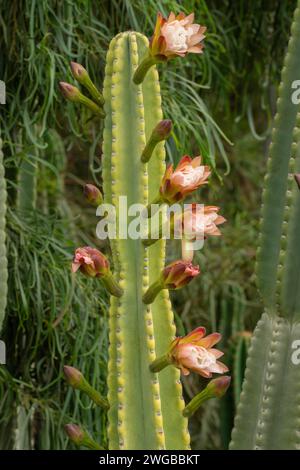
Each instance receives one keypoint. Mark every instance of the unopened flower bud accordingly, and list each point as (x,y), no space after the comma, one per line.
(81,75)
(72,93)
(69,91)
(93,194)
(73,376)
(161,132)
(215,389)
(93,263)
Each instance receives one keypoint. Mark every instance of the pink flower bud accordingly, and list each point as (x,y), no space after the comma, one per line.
(73,376)
(218,387)
(93,194)
(178,274)
(188,176)
(195,352)
(69,91)
(90,261)
(176,36)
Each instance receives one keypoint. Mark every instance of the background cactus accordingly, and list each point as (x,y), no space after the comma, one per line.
(268,412)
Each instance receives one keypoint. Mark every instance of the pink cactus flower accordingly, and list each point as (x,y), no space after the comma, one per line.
(176,36)
(90,261)
(188,176)
(195,352)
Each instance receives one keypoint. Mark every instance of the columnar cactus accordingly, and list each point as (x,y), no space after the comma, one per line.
(146,408)
(269,410)
(3,260)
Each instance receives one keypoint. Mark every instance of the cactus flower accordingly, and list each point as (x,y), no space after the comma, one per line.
(90,261)
(188,176)
(200,222)
(193,352)
(174,276)
(93,263)
(176,36)
(72,93)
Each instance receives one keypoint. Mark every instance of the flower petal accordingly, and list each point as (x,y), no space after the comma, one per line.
(216,352)
(194,335)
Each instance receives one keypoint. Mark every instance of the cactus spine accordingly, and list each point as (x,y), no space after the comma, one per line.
(269,410)
(3,259)
(145,410)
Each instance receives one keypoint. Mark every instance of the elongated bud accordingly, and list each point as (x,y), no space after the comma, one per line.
(73,376)
(81,437)
(77,381)
(161,132)
(173,277)
(215,389)
(81,75)
(72,93)
(93,263)
(93,195)
(297,179)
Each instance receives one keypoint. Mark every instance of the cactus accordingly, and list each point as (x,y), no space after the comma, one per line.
(146,406)
(268,411)
(3,259)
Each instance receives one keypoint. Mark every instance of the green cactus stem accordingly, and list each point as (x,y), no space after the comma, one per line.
(145,410)
(269,408)
(3,259)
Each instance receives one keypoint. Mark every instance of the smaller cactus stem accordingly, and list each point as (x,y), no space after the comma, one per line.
(196,402)
(160,363)
(152,292)
(111,285)
(143,68)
